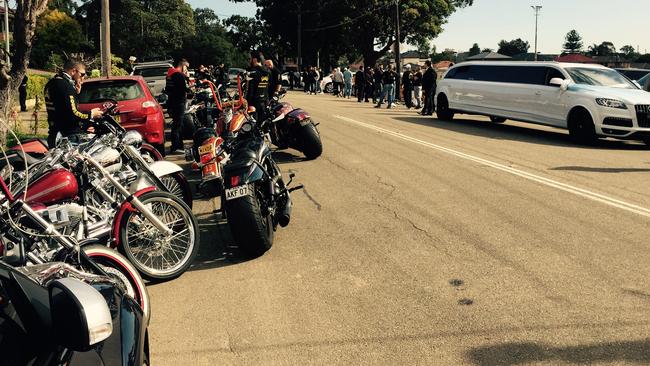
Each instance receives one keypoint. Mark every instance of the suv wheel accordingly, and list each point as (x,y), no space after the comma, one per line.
(581,127)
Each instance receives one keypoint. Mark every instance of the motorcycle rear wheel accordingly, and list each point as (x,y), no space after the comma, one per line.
(312,146)
(156,257)
(252,232)
(177,184)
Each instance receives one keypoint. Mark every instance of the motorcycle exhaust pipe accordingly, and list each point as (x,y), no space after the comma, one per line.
(285,213)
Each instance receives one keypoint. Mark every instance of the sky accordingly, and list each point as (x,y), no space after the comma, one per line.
(489,21)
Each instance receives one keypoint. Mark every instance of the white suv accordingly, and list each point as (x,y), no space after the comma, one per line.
(589,100)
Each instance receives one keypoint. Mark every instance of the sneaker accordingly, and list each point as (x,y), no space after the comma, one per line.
(378,106)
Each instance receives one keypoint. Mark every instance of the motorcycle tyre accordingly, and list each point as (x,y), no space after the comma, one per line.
(195,250)
(248,226)
(182,182)
(312,146)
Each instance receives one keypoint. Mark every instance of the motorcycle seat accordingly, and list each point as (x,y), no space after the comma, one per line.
(18,161)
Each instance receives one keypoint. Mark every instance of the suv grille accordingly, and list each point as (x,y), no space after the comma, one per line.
(643,115)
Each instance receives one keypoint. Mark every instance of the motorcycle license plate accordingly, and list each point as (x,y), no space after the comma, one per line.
(118,118)
(237,192)
(205,149)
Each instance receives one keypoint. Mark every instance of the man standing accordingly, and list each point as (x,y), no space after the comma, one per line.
(379,72)
(22,94)
(369,84)
(337,79)
(360,83)
(347,80)
(407,84)
(417,87)
(275,80)
(62,102)
(257,91)
(388,79)
(177,88)
(429,86)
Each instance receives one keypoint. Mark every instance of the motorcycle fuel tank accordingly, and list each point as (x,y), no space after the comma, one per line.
(55,186)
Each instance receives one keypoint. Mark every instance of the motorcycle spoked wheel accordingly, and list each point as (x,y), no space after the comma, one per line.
(252,231)
(119,268)
(156,257)
(177,184)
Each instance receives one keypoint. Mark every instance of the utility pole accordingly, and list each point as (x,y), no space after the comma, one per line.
(7,32)
(106,39)
(398,60)
(299,60)
(536,8)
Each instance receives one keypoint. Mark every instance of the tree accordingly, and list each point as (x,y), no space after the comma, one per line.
(27,11)
(514,47)
(249,34)
(604,49)
(629,52)
(66,6)
(644,58)
(336,27)
(475,50)
(487,50)
(56,32)
(573,42)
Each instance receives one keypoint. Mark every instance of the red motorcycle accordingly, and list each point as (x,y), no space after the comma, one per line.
(294,128)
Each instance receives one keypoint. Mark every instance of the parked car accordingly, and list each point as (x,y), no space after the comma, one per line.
(138,108)
(326,85)
(589,100)
(645,82)
(154,73)
(634,74)
(232,74)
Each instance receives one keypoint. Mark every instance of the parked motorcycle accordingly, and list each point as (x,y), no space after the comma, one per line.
(294,128)
(55,315)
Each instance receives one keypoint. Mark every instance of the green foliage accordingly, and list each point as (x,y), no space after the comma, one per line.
(36,86)
(629,52)
(604,49)
(475,50)
(572,42)
(117,66)
(644,58)
(514,47)
(57,32)
(54,62)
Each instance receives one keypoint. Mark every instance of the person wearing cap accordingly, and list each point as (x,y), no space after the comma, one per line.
(407,86)
(257,89)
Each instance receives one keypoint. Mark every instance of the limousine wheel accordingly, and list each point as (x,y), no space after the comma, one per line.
(497,119)
(442,110)
(581,127)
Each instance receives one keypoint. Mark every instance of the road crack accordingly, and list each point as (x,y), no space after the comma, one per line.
(381,181)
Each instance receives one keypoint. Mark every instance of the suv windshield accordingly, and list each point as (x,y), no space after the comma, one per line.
(147,72)
(119,90)
(599,77)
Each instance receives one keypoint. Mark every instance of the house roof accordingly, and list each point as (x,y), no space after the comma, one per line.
(412,54)
(575,58)
(443,65)
(489,56)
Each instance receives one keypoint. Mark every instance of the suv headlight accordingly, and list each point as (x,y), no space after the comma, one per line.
(611,103)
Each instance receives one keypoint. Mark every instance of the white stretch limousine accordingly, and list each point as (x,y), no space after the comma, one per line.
(589,100)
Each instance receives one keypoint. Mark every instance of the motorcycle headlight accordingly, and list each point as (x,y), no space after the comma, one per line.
(132,138)
(611,103)
(247,127)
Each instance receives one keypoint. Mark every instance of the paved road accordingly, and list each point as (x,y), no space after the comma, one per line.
(418,241)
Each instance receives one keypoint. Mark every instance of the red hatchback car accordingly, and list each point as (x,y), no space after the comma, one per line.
(138,108)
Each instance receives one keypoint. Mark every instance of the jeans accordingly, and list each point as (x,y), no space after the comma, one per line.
(348,90)
(417,91)
(389,93)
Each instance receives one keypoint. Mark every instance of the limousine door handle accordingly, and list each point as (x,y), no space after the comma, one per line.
(538,93)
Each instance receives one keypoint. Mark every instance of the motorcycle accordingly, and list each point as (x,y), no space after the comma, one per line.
(295,128)
(53,314)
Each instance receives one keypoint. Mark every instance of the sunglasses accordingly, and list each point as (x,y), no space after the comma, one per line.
(82,74)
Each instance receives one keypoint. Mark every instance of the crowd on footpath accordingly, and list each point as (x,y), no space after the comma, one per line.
(379,84)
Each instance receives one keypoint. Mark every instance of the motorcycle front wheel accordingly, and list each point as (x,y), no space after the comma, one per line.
(252,231)
(156,256)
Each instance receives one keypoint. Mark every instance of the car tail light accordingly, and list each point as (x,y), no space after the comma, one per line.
(234,181)
(149,107)
(206,158)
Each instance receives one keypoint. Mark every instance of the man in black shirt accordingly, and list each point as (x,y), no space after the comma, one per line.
(62,102)
(257,90)
(407,85)
(360,83)
(275,82)
(388,79)
(177,88)
(429,87)
(378,84)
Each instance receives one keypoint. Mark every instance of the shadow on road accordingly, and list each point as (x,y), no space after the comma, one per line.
(510,354)
(600,170)
(288,156)
(516,133)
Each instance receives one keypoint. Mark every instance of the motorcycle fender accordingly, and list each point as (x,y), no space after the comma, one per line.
(126,206)
(246,175)
(160,169)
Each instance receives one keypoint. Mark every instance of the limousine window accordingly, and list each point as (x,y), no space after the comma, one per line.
(535,75)
(599,77)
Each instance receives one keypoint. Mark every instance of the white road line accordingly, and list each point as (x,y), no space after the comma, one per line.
(533,177)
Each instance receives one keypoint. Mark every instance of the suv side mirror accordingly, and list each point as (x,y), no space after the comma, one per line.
(80,315)
(561,83)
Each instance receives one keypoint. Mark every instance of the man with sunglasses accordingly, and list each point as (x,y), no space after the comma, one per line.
(62,102)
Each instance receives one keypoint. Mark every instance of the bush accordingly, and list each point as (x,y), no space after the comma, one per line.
(36,86)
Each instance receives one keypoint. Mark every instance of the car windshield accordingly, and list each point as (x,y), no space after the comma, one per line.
(645,82)
(599,77)
(147,72)
(119,90)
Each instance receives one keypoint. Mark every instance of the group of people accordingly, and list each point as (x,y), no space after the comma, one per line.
(418,86)
(312,77)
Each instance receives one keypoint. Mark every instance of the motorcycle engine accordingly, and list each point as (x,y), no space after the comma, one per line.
(68,215)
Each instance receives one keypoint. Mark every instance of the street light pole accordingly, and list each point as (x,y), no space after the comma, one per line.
(536,8)
(106,39)
(398,60)
(7,31)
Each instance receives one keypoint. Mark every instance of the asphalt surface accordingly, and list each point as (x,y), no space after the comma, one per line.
(418,241)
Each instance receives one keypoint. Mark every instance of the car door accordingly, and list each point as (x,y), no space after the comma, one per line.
(551,101)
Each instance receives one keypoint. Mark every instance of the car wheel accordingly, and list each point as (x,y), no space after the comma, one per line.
(581,127)
(329,88)
(442,110)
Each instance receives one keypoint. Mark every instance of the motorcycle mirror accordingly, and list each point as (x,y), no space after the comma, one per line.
(251,109)
(80,315)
